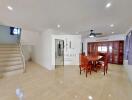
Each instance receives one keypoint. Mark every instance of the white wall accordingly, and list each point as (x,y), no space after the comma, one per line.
(71,55)
(5,37)
(28,40)
(42,50)
(107,38)
(29,37)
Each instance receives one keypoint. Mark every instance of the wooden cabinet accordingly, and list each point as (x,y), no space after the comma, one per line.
(114,49)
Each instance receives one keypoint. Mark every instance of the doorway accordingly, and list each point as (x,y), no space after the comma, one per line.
(59,53)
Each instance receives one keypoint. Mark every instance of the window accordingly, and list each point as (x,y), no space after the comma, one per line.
(15,31)
(99,48)
(110,49)
(102,49)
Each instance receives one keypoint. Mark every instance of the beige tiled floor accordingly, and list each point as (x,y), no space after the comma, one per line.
(67,84)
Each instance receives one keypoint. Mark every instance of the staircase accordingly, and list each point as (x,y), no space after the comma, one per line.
(11,59)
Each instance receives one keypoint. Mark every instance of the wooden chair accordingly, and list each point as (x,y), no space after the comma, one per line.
(81,63)
(84,64)
(103,63)
(87,65)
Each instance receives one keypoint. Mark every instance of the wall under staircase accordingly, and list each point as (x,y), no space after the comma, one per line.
(11,59)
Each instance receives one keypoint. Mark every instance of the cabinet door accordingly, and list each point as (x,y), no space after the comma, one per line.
(115,52)
(90,47)
(121,51)
(110,54)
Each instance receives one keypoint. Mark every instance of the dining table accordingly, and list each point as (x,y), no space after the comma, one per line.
(93,59)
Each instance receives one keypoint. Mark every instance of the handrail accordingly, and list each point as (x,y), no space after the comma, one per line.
(23,58)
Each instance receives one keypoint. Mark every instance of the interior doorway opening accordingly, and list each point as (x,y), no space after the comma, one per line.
(59,53)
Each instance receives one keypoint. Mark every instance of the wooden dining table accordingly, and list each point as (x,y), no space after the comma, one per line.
(93,60)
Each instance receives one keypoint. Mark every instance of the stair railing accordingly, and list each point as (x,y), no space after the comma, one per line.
(23,58)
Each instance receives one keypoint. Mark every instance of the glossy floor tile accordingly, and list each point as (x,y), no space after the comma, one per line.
(65,83)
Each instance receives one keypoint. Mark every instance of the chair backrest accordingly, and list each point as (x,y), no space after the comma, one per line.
(83,61)
(86,61)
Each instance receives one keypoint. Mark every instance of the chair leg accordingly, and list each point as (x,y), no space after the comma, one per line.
(80,70)
(104,70)
(90,70)
(86,72)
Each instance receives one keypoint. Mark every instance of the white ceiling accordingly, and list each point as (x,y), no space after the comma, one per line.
(72,15)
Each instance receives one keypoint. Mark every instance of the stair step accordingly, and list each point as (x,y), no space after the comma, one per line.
(11,68)
(9,55)
(12,72)
(9,52)
(9,49)
(10,59)
(9,46)
(7,64)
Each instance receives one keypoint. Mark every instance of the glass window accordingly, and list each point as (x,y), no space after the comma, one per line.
(110,49)
(16,31)
(99,48)
(102,48)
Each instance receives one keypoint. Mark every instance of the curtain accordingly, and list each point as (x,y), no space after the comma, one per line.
(128,48)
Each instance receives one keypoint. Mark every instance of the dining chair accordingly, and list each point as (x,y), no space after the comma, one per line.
(81,63)
(87,65)
(103,63)
(84,64)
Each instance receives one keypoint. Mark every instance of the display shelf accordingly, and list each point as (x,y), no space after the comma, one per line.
(114,49)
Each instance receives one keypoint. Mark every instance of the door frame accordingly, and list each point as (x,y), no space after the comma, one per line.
(55,51)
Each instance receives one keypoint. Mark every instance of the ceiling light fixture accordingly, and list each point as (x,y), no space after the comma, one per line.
(58,26)
(113,32)
(92,34)
(112,25)
(10,8)
(108,5)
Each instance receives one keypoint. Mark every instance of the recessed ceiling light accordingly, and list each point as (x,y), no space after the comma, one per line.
(113,32)
(58,26)
(108,5)
(112,25)
(10,8)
